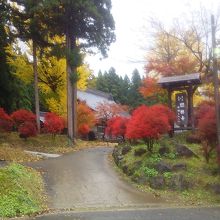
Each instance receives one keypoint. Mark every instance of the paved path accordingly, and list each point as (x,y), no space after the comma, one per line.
(86,179)
(144,214)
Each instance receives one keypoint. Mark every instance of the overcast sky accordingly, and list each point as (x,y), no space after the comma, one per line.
(132,30)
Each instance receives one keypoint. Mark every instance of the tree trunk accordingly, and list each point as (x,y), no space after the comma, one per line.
(74,92)
(36,93)
(71,92)
(74,110)
(171,132)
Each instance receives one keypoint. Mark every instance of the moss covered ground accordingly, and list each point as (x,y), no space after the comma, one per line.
(21,191)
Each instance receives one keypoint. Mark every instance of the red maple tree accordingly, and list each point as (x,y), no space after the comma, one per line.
(147,124)
(116,127)
(27,129)
(166,111)
(6,124)
(207,129)
(202,109)
(53,123)
(21,116)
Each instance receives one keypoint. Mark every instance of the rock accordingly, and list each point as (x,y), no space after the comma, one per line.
(143,180)
(215,188)
(157,182)
(117,155)
(193,139)
(164,150)
(137,164)
(115,152)
(125,149)
(139,152)
(184,151)
(179,166)
(212,171)
(163,167)
(127,170)
(120,157)
(178,182)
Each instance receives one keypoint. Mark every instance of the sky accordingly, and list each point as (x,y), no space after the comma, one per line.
(133,30)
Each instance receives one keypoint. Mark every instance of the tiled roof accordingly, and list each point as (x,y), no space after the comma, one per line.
(94,97)
(193,78)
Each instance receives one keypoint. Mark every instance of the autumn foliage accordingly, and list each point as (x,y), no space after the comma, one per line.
(21,116)
(150,88)
(207,126)
(166,111)
(53,123)
(148,124)
(83,130)
(206,120)
(85,118)
(108,110)
(116,127)
(179,66)
(202,109)
(27,129)
(6,124)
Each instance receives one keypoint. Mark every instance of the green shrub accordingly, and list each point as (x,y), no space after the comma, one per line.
(167,175)
(171,156)
(21,191)
(149,172)
(154,158)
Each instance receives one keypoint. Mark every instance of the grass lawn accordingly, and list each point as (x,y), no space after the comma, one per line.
(141,170)
(12,147)
(21,191)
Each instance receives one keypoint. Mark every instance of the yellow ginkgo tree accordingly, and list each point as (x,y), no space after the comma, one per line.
(51,76)
(57,101)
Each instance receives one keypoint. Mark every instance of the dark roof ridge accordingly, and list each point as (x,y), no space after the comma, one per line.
(179,78)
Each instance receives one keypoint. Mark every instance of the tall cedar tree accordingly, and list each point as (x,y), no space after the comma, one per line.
(123,90)
(136,98)
(7,80)
(86,24)
(29,21)
(112,83)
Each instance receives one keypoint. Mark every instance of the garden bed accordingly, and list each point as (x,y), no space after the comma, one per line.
(175,170)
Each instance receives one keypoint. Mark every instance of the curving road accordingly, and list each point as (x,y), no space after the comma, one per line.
(85,179)
(141,214)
